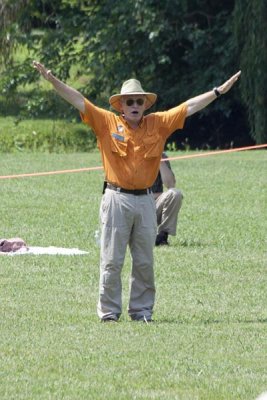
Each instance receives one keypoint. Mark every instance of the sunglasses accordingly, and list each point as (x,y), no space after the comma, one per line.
(139,102)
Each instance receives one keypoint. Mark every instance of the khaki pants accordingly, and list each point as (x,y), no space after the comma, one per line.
(127,219)
(168,205)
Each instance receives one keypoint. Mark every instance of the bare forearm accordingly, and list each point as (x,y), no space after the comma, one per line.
(69,94)
(199,102)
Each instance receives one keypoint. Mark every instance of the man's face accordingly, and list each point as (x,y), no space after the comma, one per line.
(133,107)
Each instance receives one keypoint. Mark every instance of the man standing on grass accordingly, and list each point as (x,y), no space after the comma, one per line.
(131,146)
(168,203)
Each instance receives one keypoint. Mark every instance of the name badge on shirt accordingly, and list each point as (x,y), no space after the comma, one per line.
(118,137)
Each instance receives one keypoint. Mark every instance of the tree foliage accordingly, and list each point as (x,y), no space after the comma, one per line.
(250,24)
(176,48)
(10,12)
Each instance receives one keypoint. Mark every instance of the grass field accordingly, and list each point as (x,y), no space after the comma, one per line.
(209,338)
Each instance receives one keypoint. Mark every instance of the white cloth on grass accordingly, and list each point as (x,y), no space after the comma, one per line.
(45,250)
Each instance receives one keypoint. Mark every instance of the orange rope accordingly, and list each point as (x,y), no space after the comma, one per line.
(68,171)
(212,153)
(65,171)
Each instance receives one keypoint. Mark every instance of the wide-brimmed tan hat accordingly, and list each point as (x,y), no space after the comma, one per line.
(132,86)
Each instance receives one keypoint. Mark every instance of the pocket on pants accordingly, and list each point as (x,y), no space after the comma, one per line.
(148,213)
(111,211)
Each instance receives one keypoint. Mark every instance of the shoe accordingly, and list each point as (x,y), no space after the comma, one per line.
(162,239)
(143,318)
(110,319)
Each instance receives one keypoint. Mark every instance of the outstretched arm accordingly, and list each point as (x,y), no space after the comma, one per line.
(69,94)
(199,102)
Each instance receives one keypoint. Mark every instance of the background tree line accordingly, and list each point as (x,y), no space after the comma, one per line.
(177,48)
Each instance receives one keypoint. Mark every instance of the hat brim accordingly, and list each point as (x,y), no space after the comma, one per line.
(114,100)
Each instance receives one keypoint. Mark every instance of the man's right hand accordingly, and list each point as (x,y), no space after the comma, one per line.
(46,73)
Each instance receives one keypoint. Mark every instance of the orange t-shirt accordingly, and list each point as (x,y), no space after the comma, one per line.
(131,157)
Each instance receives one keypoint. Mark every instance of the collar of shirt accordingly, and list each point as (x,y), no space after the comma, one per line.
(140,125)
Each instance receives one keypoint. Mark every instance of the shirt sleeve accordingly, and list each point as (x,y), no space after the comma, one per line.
(174,118)
(95,117)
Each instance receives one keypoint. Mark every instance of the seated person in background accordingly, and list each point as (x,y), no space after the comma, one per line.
(168,203)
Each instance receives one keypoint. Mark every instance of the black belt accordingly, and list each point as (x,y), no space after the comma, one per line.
(136,192)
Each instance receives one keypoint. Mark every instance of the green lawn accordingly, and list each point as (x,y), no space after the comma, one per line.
(209,338)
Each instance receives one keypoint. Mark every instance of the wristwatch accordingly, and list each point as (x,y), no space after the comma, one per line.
(216,91)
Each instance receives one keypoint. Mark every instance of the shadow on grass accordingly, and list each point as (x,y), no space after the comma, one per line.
(192,243)
(189,243)
(211,321)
